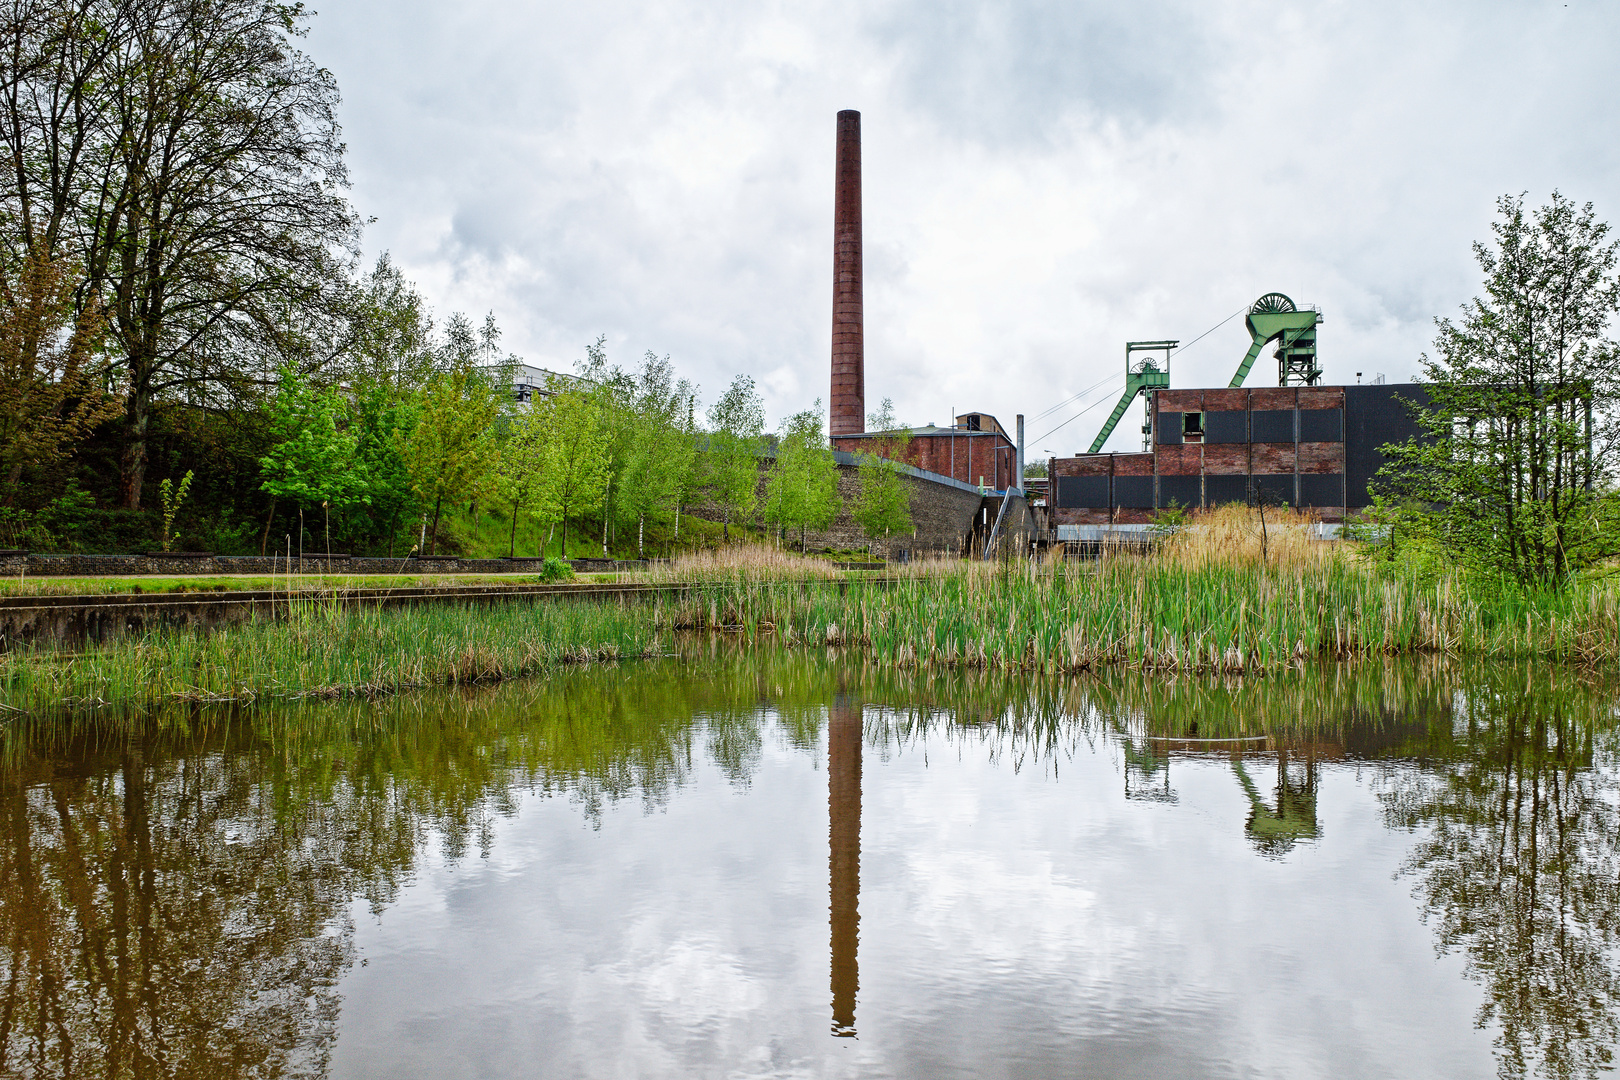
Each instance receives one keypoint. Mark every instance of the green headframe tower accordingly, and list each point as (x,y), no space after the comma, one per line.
(1141,376)
(1274,317)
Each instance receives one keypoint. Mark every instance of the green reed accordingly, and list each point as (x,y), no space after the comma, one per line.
(322,650)
(1149,613)
(1167,615)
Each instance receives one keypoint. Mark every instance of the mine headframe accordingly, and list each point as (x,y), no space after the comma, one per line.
(1141,376)
(1274,317)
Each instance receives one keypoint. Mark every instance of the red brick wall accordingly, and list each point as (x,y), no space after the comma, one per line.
(848,330)
(1281,397)
(1226,459)
(988,454)
(1271,457)
(1321,457)
(1133,464)
(1226,400)
(1180,460)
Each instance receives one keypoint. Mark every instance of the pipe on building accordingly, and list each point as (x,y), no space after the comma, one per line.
(1019,483)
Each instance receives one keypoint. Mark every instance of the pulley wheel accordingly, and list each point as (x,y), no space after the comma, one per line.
(1272,303)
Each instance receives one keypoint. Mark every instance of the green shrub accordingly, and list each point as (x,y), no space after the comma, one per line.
(556,570)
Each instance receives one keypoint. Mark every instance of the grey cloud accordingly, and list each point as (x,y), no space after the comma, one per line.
(1008,72)
(663,175)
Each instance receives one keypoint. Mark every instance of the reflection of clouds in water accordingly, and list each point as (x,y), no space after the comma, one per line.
(696,986)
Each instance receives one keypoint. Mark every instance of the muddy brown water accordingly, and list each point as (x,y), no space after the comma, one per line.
(771,863)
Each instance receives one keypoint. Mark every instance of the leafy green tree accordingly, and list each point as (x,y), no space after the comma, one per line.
(1522,425)
(576,473)
(390,331)
(377,413)
(521,473)
(736,439)
(883,501)
(1514,855)
(187,157)
(313,458)
(614,391)
(659,457)
(451,449)
(801,489)
(691,478)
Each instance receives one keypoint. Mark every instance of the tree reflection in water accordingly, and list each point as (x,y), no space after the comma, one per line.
(174,891)
(172,916)
(1517,864)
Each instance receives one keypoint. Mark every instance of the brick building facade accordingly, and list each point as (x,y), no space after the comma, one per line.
(976,451)
(1305,446)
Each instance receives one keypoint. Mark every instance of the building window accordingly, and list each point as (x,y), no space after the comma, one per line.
(1192,427)
(973,422)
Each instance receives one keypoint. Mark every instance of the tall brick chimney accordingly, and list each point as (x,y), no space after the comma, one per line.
(848,347)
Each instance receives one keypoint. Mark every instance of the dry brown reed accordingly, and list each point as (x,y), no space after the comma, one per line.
(1236,535)
(743,563)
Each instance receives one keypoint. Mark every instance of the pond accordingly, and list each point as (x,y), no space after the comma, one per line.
(739,863)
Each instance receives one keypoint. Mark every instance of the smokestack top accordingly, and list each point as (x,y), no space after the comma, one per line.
(848,331)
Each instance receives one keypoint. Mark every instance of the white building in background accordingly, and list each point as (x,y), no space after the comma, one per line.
(530,382)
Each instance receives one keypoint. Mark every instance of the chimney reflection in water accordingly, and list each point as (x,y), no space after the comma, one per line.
(844,856)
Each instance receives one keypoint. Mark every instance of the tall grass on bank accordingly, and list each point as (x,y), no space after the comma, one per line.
(324,651)
(1204,602)
(743,564)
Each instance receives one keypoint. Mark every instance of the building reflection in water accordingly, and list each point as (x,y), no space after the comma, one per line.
(844,856)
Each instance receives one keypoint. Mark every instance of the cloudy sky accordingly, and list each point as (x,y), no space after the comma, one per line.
(1043,180)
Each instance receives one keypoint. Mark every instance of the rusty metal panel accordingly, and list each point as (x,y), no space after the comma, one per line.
(1271,425)
(1219,490)
(1225,426)
(1184,491)
(1133,491)
(1321,425)
(1080,491)
(1279,487)
(1321,490)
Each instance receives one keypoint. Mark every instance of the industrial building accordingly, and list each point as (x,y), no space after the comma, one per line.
(1303,446)
(1298,444)
(975,449)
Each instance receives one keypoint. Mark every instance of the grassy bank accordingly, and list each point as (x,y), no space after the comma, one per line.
(1229,596)
(1223,599)
(279,583)
(326,652)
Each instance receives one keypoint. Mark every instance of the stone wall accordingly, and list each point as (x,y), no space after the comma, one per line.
(207,565)
(942,513)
